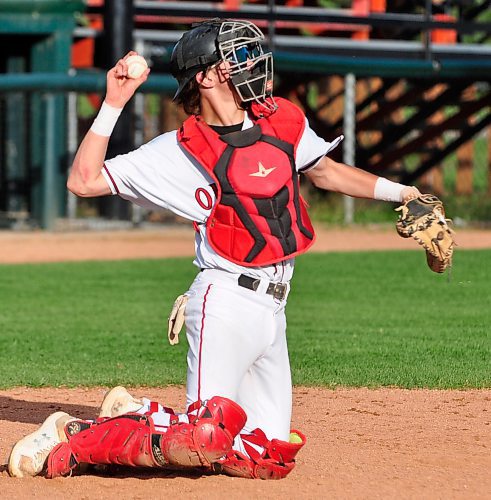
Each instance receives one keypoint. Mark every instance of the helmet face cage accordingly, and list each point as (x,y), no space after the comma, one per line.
(250,69)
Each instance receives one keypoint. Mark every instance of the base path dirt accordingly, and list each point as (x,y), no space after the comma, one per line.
(38,246)
(362,443)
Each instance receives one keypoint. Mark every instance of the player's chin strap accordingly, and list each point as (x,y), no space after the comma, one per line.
(267,459)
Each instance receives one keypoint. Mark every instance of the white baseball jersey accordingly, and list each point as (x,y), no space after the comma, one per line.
(161,174)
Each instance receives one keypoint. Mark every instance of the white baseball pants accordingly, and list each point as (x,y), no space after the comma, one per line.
(238,349)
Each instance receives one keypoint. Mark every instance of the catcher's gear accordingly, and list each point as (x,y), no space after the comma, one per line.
(234,41)
(423,218)
(176,319)
(275,461)
(131,439)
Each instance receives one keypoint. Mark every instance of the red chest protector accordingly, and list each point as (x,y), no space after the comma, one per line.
(259,217)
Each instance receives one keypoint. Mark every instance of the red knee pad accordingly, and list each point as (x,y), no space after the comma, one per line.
(276,460)
(208,437)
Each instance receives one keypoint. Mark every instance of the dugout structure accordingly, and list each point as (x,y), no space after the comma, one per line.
(36,36)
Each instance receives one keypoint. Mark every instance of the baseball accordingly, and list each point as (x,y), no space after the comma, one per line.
(136,66)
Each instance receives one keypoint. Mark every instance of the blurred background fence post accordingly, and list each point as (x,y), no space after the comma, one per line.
(118,41)
(72,146)
(349,143)
(49,208)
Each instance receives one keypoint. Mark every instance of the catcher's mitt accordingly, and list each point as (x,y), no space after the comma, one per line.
(423,218)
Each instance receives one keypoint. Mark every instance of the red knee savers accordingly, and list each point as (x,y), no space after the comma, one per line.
(208,437)
(276,460)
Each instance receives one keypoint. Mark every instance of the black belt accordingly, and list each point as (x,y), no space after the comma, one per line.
(277,290)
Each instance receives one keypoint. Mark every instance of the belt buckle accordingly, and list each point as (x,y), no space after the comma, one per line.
(279,291)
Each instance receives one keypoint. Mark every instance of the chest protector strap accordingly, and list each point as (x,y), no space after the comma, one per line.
(259,217)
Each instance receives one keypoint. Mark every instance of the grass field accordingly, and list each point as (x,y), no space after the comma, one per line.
(355,319)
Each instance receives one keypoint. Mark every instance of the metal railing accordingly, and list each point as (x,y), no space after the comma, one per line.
(405,46)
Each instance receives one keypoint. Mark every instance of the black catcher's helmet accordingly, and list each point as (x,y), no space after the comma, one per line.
(195,51)
(238,43)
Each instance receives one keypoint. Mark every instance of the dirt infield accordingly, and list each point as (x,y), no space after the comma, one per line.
(362,443)
(18,247)
(377,443)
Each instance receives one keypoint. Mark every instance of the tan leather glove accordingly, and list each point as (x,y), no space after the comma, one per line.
(423,218)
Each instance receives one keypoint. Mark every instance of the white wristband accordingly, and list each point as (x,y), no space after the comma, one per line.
(106,119)
(387,190)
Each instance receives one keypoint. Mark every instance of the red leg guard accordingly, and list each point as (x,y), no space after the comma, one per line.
(275,462)
(131,439)
(124,440)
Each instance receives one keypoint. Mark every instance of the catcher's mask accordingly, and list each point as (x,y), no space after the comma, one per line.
(236,42)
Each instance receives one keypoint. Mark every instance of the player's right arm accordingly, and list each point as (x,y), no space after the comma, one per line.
(85,177)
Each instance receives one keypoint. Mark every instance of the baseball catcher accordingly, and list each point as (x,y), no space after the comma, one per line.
(233,169)
(423,218)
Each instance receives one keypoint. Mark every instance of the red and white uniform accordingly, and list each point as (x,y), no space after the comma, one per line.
(236,335)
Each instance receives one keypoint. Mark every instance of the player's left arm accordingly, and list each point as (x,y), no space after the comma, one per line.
(339,177)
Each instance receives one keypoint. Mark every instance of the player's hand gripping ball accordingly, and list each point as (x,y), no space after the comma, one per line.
(423,218)
(136,66)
